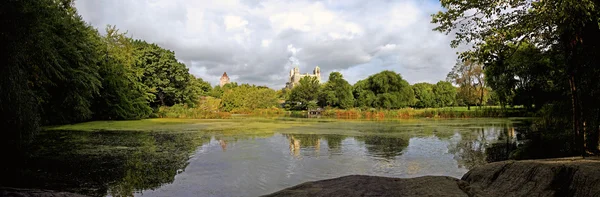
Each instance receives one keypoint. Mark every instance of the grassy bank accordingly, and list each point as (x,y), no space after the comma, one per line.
(184,112)
(407,113)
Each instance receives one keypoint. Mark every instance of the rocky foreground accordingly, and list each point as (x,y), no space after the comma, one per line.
(557,177)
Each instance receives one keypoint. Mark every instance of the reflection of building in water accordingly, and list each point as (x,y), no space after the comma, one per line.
(223,145)
(299,141)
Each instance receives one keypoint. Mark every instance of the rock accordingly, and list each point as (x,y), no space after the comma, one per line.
(18,192)
(359,185)
(554,177)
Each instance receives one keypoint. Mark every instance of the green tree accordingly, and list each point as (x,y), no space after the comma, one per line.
(424,95)
(305,94)
(469,76)
(567,28)
(123,95)
(445,94)
(168,79)
(246,98)
(386,89)
(337,92)
(363,96)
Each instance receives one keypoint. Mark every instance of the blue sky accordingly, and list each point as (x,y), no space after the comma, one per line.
(255,41)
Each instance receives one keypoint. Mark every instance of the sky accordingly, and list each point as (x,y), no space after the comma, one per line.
(258,42)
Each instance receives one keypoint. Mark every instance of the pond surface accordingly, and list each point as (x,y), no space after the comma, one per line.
(256,156)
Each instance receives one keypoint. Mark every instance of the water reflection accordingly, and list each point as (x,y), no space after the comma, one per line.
(383,146)
(248,163)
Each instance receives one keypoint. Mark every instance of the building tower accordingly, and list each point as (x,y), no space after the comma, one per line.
(317,73)
(224,79)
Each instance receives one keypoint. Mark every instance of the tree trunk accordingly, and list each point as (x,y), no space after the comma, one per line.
(576,114)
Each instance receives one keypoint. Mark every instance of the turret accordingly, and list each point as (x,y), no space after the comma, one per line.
(317,72)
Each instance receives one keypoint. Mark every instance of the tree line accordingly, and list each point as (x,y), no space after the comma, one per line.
(57,69)
(384,90)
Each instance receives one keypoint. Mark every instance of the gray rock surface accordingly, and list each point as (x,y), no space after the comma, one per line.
(555,177)
(18,192)
(359,185)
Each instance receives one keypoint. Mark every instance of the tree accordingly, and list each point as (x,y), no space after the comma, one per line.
(445,94)
(168,79)
(246,98)
(363,96)
(123,95)
(469,76)
(386,89)
(305,94)
(424,95)
(567,28)
(337,92)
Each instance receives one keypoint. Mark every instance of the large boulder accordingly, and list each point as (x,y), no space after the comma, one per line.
(20,192)
(359,185)
(555,177)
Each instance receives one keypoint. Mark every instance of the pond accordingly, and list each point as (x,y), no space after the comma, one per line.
(252,157)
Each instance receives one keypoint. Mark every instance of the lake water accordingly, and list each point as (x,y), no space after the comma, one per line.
(258,156)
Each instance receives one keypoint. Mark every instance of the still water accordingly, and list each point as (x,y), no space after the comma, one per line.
(246,158)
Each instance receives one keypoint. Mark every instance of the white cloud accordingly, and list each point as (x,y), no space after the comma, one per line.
(234,22)
(255,41)
(266,43)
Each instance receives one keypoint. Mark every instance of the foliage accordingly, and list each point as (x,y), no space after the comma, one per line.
(123,95)
(468,75)
(424,95)
(337,92)
(565,33)
(168,79)
(58,70)
(386,90)
(305,94)
(246,98)
(445,94)
(184,111)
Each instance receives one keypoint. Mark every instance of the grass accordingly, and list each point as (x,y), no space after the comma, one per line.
(407,113)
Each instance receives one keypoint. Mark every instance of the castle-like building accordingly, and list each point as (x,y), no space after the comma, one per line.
(224,79)
(295,76)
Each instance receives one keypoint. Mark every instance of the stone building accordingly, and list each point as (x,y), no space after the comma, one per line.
(295,76)
(224,79)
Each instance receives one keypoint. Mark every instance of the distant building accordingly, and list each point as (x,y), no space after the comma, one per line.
(224,79)
(295,76)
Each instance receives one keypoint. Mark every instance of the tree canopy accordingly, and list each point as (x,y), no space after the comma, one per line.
(559,38)
(337,92)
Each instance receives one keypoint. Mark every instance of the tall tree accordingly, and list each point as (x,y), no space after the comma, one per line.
(386,89)
(168,79)
(424,95)
(469,76)
(123,95)
(445,94)
(337,92)
(569,27)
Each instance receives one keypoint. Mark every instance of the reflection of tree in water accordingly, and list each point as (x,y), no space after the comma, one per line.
(469,152)
(101,163)
(501,149)
(387,147)
(334,142)
(483,145)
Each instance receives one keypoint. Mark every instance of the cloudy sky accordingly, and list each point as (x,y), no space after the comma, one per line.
(256,41)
